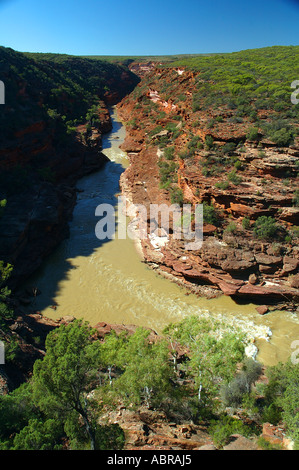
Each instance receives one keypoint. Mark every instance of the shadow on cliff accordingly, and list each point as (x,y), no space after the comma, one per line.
(101,187)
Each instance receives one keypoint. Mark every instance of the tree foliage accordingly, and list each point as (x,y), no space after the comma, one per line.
(283,393)
(214,353)
(143,371)
(63,379)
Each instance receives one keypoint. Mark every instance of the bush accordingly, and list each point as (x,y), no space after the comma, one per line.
(234,178)
(222,429)
(176,196)
(209,142)
(231,228)
(169,153)
(167,173)
(246,223)
(296,198)
(282,137)
(234,392)
(266,445)
(253,134)
(238,165)
(210,215)
(271,414)
(265,227)
(222,185)
(229,147)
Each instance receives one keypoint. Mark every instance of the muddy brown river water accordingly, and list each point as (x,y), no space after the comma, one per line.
(106,280)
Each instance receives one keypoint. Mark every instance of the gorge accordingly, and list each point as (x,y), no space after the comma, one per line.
(233,277)
(108,282)
(78,133)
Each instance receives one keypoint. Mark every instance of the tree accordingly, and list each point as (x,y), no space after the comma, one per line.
(16,409)
(39,435)
(213,353)
(283,393)
(68,372)
(233,392)
(143,370)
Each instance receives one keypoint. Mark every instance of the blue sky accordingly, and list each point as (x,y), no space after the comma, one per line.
(147,27)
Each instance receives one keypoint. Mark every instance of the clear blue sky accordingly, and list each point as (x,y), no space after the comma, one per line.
(147,27)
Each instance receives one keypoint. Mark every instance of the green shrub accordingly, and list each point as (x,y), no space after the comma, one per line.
(282,137)
(238,389)
(210,215)
(234,178)
(222,185)
(271,414)
(229,147)
(209,142)
(238,165)
(265,227)
(296,198)
(246,223)
(253,134)
(167,172)
(266,445)
(176,196)
(231,228)
(222,429)
(169,153)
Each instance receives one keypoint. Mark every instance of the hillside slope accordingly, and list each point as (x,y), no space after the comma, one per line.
(221,131)
(51,124)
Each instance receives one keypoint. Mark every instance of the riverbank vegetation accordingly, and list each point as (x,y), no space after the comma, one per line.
(196,371)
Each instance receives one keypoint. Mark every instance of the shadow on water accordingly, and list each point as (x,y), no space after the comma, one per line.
(103,280)
(110,137)
(101,187)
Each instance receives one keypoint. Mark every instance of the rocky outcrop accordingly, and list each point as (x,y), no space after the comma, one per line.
(36,215)
(232,260)
(151,430)
(276,436)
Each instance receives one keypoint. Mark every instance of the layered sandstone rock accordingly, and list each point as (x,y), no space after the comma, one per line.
(230,258)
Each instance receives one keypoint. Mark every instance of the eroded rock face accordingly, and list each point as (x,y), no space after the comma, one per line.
(231,256)
(33,225)
(44,150)
(37,214)
(38,181)
(151,430)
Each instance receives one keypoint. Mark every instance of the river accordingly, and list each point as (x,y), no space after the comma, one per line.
(106,280)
